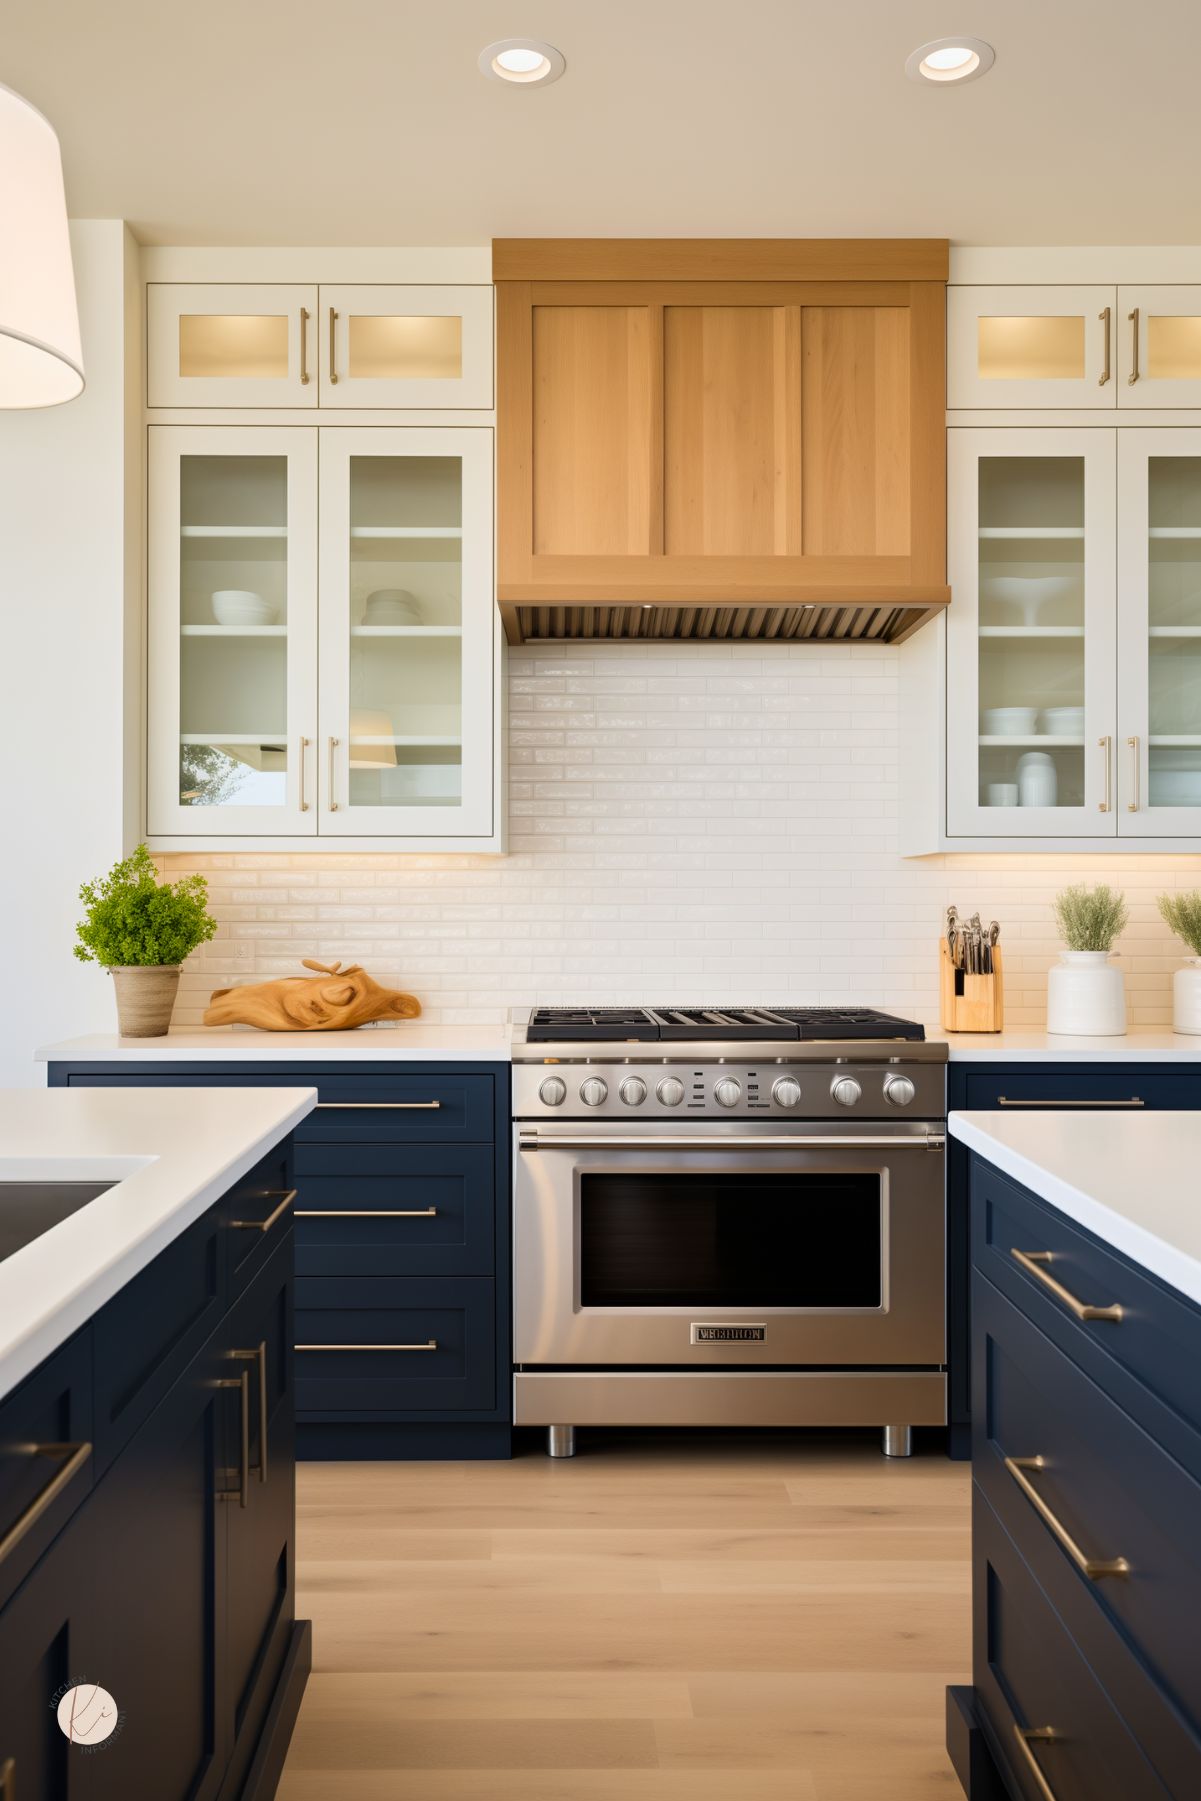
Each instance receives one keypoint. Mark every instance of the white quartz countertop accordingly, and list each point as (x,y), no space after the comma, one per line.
(172,1152)
(1045,1047)
(1130,1178)
(415,1043)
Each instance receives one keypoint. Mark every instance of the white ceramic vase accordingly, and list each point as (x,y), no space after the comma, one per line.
(1086,996)
(1186,998)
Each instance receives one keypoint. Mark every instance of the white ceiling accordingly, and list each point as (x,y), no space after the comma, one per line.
(368,121)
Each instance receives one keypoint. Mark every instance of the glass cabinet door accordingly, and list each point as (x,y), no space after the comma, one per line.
(406,347)
(1032,347)
(226,344)
(1159,339)
(232,631)
(1159,642)
(407,633)
(1030,635)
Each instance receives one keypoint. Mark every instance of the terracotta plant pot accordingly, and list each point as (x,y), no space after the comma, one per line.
(145,998)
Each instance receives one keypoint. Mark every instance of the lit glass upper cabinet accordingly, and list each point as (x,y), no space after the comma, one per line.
(1159,347)
(229,345)
(406,347)
(1030,637)
(407,628)
(1159,642)
(232,674)
(1032,347)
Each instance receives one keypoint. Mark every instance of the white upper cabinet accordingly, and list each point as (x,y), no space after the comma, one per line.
(1032,347)
(1159,347)
(226,344)
(233,345)
(1031,659)
(412,347)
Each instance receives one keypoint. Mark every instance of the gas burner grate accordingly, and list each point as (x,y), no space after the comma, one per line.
(696,1025)
(849,1022)
(699,1023)
(550,1025)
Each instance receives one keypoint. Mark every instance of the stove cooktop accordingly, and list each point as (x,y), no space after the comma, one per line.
(694,1025)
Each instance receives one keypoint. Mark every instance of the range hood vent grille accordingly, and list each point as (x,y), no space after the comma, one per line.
(818,624)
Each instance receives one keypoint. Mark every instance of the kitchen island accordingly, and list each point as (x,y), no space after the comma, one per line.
(1086,1456)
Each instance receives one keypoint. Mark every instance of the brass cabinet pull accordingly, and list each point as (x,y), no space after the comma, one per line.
(1040,1735)
(366,1213)
(1133,375)
(333,373)
(265,1225)
(242,1383)
(431,1344)
(1132,1102)
(75,1457)
(8,1779)
(259,1356)
(331,802)
(1031,1261)
(536,1141)
(304,745)
(1092,1567)
(304,346)
(1105,373)
(1106,744)
(379,1106)
(1132,805)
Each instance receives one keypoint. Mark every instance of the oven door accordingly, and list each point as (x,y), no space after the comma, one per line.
(717,1247)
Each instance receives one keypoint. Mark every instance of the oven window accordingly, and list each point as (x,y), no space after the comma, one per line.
(730,1240)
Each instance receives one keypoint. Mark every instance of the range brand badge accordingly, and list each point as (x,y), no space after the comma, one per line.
(731,1334)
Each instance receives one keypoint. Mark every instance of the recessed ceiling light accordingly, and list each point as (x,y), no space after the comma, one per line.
(950,59)
(523,60)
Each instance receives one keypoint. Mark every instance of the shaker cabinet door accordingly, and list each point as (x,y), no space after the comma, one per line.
(226,344)
(406,347)
(1159,347)
(1032,347)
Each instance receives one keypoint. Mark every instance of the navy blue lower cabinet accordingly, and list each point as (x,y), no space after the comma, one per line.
(402,1235)
(47,1637)
(1102,1087)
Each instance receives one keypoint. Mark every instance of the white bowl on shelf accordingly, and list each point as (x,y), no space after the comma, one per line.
(242,606)
(1029,593)
(1009,722)
(391,606)
(1063,722)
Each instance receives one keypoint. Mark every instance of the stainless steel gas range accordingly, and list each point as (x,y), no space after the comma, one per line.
(728,1216)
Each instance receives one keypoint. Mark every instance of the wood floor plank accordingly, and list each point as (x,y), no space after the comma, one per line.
(566,1784)
(331,1700)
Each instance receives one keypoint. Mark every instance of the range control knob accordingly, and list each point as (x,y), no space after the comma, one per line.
(553,1092)
(898,1090)
(633,1091)
(670,1091)
(786,1092)
(727,1092)
(845,1090)
(594,1092)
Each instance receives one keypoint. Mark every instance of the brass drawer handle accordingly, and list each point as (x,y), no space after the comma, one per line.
(1040,1735)
(304,345)
(242,1493)
(265,1225)
(1105,744)
(304,745)
(1092,1567)
(1134,1101)
(379,1106)
(333,373)
(366,1213)
(331,798)
(1031,1262)
(431,1344)
(1104,318)
(1133,375)
(259,1356)
(1136,764)
(76,1456)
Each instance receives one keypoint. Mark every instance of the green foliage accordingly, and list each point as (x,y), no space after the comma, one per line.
(134,920)
(1089,919)
(1182,914)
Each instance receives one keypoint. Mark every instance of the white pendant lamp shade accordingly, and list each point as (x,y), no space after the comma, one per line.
(41,363)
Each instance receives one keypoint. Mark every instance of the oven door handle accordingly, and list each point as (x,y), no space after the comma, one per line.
(884,1141)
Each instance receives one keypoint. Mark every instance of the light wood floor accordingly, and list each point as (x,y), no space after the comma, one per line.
(707,1620)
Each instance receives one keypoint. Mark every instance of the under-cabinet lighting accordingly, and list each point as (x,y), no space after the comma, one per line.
(950,59)
(523,60)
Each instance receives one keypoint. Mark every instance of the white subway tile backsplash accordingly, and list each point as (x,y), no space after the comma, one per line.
(711,825)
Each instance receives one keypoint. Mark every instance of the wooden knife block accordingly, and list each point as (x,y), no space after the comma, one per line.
(970,1003)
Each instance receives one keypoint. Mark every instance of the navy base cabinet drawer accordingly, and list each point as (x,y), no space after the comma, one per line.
(1030,1677)
(1118,1496)
(380,1346)
(46,1456)
(381,1210)
(1043,1087)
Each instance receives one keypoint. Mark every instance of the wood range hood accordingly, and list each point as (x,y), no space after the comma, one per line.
(720,438)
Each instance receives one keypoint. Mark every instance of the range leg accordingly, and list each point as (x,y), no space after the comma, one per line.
(560,1441)
(898,1441)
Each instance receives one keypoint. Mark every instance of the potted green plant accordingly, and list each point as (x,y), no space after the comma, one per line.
(140,930)
(1182,913)
(1086,994)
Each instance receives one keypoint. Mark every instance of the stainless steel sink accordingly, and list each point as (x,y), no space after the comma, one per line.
(27,1209)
